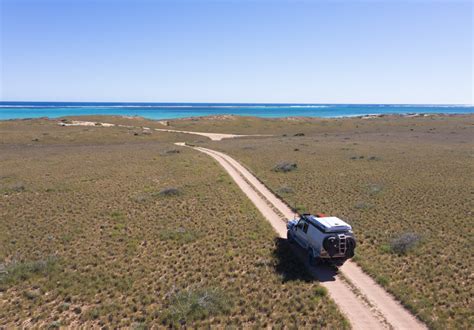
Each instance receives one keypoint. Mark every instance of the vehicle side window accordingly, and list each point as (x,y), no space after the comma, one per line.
(305,227)
(300,224)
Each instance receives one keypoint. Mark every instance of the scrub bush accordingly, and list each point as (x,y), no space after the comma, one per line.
(170,192)
(404,242)
(16,272)
(285,190)
(285,167)
(170,152)
(179,234)
(190,305)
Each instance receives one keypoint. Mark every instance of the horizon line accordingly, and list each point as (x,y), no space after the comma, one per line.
(243,103)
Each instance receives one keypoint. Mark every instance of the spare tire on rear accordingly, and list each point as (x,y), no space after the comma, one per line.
(331,245)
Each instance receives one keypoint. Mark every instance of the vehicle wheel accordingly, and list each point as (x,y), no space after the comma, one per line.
(289,237)
(351,245)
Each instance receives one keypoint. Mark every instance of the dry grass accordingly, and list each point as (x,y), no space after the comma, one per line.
(386,176)
(90,241)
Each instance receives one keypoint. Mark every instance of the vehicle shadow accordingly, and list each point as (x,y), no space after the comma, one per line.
(292,264)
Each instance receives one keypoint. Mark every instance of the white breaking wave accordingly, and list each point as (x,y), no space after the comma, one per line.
(309,106)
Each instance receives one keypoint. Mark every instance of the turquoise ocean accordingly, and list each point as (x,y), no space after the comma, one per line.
(21,110)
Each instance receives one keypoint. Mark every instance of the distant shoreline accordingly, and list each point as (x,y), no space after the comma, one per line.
(168,111)
(223,117)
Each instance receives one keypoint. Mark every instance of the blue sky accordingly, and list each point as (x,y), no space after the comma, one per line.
(237,51)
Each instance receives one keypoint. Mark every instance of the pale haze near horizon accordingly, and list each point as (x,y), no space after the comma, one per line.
(224,51)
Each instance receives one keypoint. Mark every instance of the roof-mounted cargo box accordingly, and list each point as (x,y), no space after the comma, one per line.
(328,224)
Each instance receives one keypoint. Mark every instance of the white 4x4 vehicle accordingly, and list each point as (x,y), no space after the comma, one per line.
(325,238)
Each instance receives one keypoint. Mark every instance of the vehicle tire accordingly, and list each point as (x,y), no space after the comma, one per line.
(289,237)
(351,245)
(331,245)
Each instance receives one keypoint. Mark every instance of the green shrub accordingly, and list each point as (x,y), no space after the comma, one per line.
(285,190)
(385,248)
(320,291)
(382,280)
(14,187)
(54,325)
(190,305)
(375,158)
(118,216)
(31,294)
(92,314)
(285,167)
(170,152)
(404,242)
(375,188)
(16,272)
(141,198)
(300,208)
(170,192)
(180,235)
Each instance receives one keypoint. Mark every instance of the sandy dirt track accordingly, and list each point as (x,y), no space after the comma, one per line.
(212,136)
(371,307)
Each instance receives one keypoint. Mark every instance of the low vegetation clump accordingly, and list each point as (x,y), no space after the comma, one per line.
(16,272)
(370,158)
(11,187)
(170,152)
(300,208)
(179,235)
(150,195)
(284,167)
(191,305)
(375,188)
(321,291)
(375,158)
(285,190)
(404,243)
(170,192)
(142,197)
